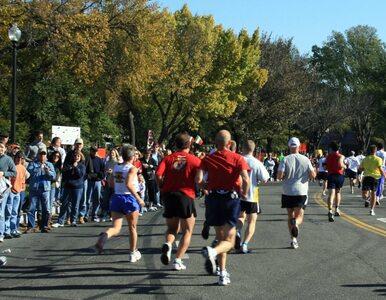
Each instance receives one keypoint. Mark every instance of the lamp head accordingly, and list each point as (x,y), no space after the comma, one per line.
(14,33)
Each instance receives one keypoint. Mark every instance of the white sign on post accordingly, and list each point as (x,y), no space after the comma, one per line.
(67,134)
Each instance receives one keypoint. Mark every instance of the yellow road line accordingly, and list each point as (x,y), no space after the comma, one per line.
(351,219)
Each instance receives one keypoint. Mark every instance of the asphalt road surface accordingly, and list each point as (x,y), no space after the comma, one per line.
(341,260)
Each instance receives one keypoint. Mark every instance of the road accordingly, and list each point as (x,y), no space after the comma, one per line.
(341,260)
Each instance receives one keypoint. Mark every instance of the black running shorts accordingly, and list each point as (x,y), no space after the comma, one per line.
(288,201)
(369,184)
(249,207)
(178,205)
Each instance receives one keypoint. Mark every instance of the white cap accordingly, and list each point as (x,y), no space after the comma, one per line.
(293,142)
(78,141)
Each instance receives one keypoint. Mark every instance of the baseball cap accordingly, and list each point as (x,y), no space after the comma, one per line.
(79,141)
(293,142)
(42,149)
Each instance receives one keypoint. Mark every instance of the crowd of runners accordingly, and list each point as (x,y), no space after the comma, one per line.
(128,183)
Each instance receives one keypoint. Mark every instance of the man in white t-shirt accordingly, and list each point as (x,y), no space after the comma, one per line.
(352,164)
(322,172)
(250,206)
(295,169)
(360,157)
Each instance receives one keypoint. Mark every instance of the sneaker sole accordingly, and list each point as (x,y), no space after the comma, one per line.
(210,264)
(164,256)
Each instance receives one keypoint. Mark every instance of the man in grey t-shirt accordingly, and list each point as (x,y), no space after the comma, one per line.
(295,169)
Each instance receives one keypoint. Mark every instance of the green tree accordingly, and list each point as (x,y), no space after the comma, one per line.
(351,63)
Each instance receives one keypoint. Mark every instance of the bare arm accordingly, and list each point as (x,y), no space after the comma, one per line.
(312,174)
(245,183)
(129,183)
(280,175)
(341,162)
(199,179)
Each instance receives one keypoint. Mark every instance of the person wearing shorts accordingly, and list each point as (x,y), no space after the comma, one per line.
(322,172)
(373,171)
(224,169)
(177,175)
(125,203)
(352,164)
(335,167)
(295,169)
(250,206)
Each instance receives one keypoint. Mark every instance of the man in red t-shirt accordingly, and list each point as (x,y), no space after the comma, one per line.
(223,168)
(177,176)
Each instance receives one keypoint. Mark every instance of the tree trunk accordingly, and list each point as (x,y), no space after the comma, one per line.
(132,128)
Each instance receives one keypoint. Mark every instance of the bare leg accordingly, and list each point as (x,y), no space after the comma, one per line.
(132,220)
(187,226)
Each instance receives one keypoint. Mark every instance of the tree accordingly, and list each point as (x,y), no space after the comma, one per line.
(351,63)
(272,111)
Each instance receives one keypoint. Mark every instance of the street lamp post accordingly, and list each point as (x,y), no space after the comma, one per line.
(14,35)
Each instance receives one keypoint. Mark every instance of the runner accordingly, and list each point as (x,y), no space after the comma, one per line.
(382,154)
(352,169)
(296,170)
(250,207)
(322,172)
(372,167)
(176,176)
(222,203)
(125,202)
(360,157)
(335,167)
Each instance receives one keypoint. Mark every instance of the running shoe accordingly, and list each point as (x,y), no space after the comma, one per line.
(337,212)
(244,248)
(372,213)
(135,256)
(210,255)
(224,279)
(179,265)
(166,253)
(330,217)
(238,240)
(324,193)
(294,228)
(367,203)
(377,202)
(205,232)
(101,242)
(294,244)
(56,225)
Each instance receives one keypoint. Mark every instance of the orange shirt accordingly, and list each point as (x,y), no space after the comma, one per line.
(18,182)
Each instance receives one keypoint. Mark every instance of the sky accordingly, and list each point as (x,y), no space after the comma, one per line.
(308,22)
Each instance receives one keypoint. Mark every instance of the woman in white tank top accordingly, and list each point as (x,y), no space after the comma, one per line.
(125,202)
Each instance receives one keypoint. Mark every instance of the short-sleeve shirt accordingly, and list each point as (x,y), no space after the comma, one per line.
(224,167)
(296,168)
(179,171)
(352,163)
(257,172)
(321,162)
(370,165)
